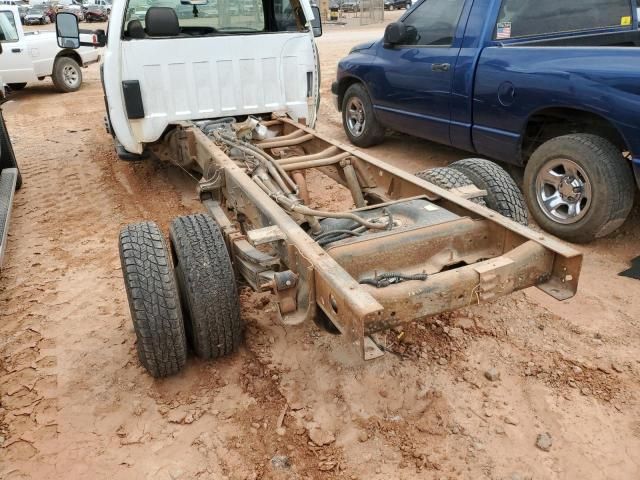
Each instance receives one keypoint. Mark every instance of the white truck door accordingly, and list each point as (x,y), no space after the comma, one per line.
(227,61)
(16,66)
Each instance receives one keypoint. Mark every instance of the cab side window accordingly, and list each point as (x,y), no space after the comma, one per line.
(286,19)
(434,22)
(522,19)
(8,32)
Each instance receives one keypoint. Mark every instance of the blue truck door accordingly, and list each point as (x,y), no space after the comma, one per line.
(411,83)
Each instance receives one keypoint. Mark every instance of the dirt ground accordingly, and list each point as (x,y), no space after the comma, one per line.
(293,403)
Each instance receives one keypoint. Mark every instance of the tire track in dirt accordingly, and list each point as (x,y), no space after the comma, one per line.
(32,298)
(74,397)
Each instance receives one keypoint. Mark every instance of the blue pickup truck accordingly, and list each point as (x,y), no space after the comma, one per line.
(550,85)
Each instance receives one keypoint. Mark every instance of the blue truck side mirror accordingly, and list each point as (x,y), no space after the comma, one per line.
(395,33)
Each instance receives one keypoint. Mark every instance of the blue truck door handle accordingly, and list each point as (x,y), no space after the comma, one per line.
(440,67)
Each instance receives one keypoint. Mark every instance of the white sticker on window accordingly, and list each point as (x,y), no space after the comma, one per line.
(503,31)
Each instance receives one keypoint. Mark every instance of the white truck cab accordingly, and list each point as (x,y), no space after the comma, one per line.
(32,56)
(168,61)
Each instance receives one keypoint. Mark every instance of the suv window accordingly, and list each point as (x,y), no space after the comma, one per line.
(8,32)
(523,18)
(434,22)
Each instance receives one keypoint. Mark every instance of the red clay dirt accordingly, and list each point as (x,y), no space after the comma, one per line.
(293,403)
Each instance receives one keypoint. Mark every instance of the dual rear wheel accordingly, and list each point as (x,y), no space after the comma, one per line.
(188,299)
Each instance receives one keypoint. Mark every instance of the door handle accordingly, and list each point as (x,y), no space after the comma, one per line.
(440,67)
(16,50)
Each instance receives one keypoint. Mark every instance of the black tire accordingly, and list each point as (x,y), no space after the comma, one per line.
(448,178)
(62,83)
(153,299)
(207,286)
(503,195)
(17,86)
(601,167)
(7,156)
(372,133)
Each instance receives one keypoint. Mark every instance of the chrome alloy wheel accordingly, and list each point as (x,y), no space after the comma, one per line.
(563,191)
(356,120)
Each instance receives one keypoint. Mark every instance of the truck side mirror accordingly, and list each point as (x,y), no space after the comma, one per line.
(67,30)
(68,33)
(316,23)
(395,34)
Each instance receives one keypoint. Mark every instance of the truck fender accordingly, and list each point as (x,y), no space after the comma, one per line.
(340,87)
(67,52)
(533,133)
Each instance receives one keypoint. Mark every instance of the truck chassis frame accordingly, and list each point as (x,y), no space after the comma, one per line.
(471,259)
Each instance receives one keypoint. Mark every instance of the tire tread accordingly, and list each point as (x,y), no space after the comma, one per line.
(503,195)
(209,285)
(448,178)
(56,75)
(153,299)
(612,173)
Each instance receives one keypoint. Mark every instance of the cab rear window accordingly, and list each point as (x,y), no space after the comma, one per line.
(224,17)
(525,18)
(8,32)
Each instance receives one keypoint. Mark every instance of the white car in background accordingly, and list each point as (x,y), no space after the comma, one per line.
(28,57)
(36,15)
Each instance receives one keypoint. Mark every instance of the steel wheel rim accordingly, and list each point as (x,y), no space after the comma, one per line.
(563,191)
(70,76)
(356,119)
